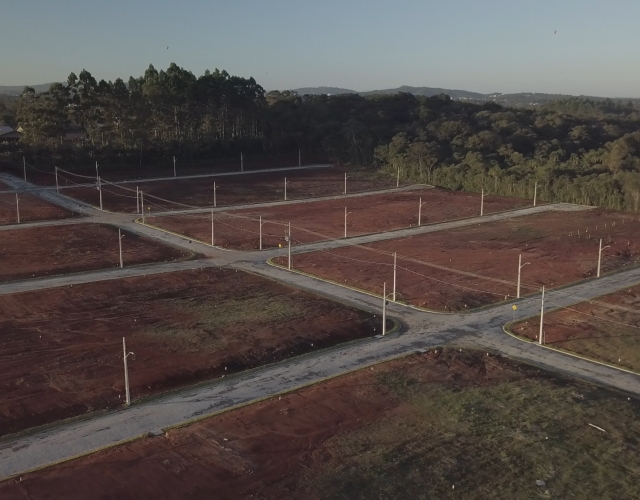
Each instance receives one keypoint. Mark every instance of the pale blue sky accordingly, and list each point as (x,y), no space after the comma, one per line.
(478,45)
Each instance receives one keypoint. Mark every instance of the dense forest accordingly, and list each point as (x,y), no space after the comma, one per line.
(576,150)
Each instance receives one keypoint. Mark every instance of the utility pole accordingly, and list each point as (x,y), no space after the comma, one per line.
(535,194)
(482,204)
(100,190)
(137,200)
(213,241)
(214,194)
(384,308)
(520,266)
(18,207)
(97,175)
(540,341)
(174,166)
(394,275)
(120,244)
(420,211)
(57,185)
(345,220)
(241,162)
(142,204)
(285,189)
(289,240)
(600,256)
(345,183)
(261,232)
(24,168)
(398,178)
(126,372)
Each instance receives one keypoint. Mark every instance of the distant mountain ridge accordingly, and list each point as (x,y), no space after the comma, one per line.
(16,90)
(517,99)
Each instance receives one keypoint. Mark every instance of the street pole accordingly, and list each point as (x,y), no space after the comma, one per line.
(384,308)
(285,189)
(345,220)
(261,232)
(394,275)
(520,266)
(600,256)
(345,183)
(137,200)
(24,168)
(540,341)
(18,207)
(142,204)
(126,373)
(120,243)
(57,185)
(97,175)
(398,178)
(289,238)
(482,204)
(420,212)
(214,194)
(174,166)
(213,241)
(535,194)
(100,190)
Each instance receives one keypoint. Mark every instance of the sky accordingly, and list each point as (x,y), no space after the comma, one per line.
(477,45)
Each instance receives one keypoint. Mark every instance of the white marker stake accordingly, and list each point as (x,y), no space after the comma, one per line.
(394,275)
(540,341)
(18,207)
(120,244)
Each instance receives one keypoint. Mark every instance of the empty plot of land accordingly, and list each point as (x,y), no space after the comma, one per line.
(31,209)
(51,250)
(440,425)
(477,265)
(62,347)
(230,190)
(323,220)
(605,329)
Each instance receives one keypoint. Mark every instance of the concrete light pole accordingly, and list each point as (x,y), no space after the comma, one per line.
(214,194)
(137,200)
(289,240)
(57,185)
(213,241)
(100,191)
(520,266)
(174,166)
(345,220)
(535,194)
(261,232)
(398,178)
(126,372)
(482,204)
(18,207)
(142,204)
(97,174)
(540,341)
(420,211)
(600,256)
(345,183)
(120,244)
(285,189)
(384,308)
(394,275)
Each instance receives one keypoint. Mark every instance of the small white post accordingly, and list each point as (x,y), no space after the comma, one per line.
(18,207)
(289,238)
(261,232)
(126,373)
(214,194)
(213,241)
(384,308)
(482,204)
(24,168)
(540,341)
(100,191)
(394,275)
(535,194)
(241,162)
(142,204)
(174,166)
(57,185)
(120,244)
(137,200)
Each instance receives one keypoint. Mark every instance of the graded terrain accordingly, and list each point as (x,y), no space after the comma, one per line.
(605,329)
(52,250)
(444,424)
(31,208)
(472,266)
(323,220)
(62,347)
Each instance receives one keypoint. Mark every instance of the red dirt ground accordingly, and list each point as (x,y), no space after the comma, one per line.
(52,250)
(273,449)
(477,265)
(62,347)
(32,209)
(606,329)
(231,190)
(322,220)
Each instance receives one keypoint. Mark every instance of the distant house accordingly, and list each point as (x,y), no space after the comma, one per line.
(7,134)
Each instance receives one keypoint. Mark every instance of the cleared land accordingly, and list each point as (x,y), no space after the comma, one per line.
(323,220)
(231,190)
(440,425)
(473,266)
(606,329)
(51,250)
(32,209)
(62,347)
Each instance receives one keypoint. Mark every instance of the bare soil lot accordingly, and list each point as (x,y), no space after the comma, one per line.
(62,347)
(323,220)
(605,329)
(32,209)
(231,190)
(445,425)
(51,250)
(478,265)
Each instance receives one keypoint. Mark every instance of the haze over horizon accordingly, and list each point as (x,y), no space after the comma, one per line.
(493,46)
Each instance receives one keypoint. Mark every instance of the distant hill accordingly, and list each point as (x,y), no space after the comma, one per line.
(517,99)
(16,90)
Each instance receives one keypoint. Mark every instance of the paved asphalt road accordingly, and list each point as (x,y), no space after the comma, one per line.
(481,329)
